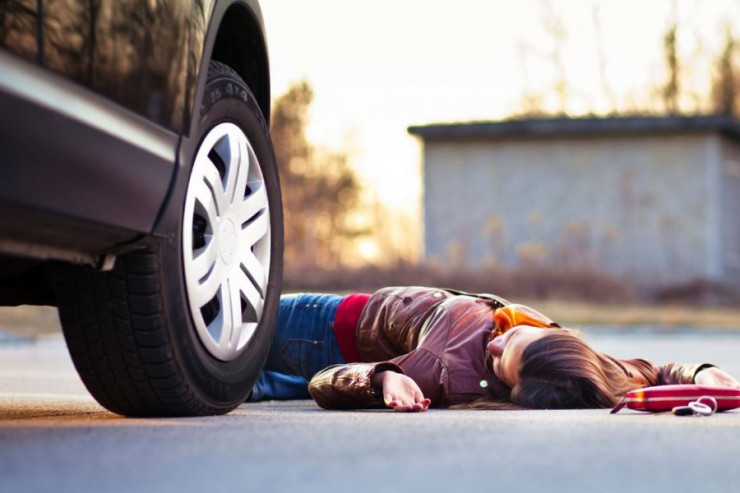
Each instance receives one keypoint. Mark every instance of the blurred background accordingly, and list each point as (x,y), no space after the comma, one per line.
(581,150)
(542,150)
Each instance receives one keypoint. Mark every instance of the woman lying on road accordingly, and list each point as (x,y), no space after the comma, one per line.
(409,348)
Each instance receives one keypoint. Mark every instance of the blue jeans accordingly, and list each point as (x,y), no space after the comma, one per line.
(303,344)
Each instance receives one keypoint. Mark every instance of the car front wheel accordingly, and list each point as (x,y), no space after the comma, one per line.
(182,327)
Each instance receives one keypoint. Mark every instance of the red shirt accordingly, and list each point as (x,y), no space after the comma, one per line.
(345,324)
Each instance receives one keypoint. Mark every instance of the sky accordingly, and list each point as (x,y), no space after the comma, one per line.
(378,67)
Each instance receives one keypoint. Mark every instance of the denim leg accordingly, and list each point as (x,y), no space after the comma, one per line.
(278,386)
(303,344)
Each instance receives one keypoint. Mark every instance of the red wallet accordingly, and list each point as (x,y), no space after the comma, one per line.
(664,398)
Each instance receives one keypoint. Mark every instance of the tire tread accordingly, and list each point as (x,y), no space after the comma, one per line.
(115,330)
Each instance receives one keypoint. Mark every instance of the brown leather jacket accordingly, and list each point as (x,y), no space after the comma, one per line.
(439,340)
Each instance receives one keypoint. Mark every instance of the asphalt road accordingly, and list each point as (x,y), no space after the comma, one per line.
(55,438)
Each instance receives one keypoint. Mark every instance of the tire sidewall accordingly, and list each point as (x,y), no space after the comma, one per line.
(224,383)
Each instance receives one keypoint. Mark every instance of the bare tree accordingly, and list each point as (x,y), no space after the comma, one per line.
(726,83)
(605,87)
(19,26)
(320,189)
(671,88)
(553,24)
(533,104)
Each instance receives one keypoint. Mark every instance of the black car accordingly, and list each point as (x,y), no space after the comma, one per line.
(139,193)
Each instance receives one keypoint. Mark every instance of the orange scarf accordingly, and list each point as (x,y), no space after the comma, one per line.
(512,315)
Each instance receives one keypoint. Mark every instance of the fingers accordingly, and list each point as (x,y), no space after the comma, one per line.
(410,408)
(402,394)
(420,406)
(407,405)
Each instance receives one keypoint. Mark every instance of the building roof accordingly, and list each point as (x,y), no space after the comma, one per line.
(577,127)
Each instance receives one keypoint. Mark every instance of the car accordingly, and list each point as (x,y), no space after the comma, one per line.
(139,194)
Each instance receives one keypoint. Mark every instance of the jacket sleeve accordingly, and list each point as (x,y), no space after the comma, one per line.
(647,374)
(348,386)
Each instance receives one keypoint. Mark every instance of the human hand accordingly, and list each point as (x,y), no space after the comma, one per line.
(401,393)
(714,377)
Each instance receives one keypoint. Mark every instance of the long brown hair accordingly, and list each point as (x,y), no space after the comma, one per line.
(562,371)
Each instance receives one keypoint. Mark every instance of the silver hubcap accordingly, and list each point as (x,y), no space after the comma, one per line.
(226,242)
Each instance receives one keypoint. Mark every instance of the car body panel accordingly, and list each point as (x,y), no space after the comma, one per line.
(133,52)
(143,54)
(96,106)
(78,155)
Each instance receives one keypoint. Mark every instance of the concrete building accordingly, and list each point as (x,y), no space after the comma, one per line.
(654,200)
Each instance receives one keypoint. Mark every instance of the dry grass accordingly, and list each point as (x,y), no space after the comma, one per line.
(29,321)
(532,283)
(584,314)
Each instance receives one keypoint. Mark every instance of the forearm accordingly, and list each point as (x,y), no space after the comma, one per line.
(646,374)
(349,386)
(675,373)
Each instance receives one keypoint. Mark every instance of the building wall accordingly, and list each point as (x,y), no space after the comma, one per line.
(633,206)
(730,234)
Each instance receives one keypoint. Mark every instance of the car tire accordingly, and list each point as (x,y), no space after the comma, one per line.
(182,327)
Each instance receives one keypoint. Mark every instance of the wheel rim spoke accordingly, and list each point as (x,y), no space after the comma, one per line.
(256,229)
(252,268)
(230,303)
(205,197)
(212,180)
(255,202)
(204,260)
(253,296)
(207,289)
(231,157)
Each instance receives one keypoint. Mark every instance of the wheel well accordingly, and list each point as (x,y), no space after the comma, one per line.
(244,50)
